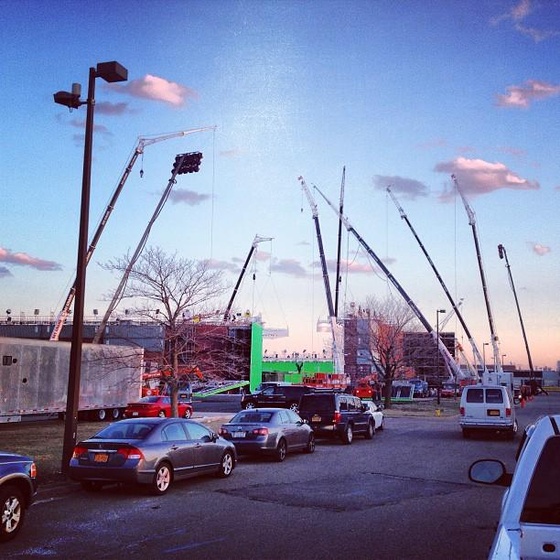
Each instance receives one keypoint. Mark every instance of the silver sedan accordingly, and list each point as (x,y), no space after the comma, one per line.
(151,451)
(269,431)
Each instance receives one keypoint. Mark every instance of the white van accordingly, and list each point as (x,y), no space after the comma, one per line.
(487,408)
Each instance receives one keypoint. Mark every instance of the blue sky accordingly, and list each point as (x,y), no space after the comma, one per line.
(401,93)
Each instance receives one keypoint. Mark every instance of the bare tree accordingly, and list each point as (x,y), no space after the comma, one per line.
(387,320)
(173,292)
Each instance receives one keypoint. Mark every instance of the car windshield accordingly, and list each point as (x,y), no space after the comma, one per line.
(130,430)
(250,417)
(542,504)
(153,399)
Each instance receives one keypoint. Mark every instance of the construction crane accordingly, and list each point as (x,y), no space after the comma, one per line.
(476,352)
(184,163)
(258,239)
(315,215)
(452,366)
(472,223)
(143,141)
(339,244)
(338,353)
(503,255)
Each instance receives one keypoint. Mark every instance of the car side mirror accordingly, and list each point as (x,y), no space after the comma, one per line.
(489,471)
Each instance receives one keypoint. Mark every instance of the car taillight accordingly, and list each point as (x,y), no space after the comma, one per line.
(79,450)
(260,431)
(337,417)
(33,470)
(508,411)
(223,432)
(462,411)
(130,452)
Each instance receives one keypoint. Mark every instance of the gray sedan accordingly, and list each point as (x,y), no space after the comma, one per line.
(151,451)
(271,431)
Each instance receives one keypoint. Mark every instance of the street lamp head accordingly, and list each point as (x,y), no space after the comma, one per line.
(68,99)
(441,310)
(112,71)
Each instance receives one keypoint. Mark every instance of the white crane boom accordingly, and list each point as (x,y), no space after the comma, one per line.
(493,335)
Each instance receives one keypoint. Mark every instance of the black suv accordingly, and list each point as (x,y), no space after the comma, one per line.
(336,414)
(281,395)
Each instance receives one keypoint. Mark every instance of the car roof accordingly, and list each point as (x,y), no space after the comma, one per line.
(482,386)
(264,409)
(149,420)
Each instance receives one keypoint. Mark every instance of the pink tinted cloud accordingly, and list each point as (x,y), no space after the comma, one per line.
(476,176)
(188,197)
(222,265)
(409,188)
(520,12)
(107,108)
(23,259)
(351,267)
(158,89)
(539,249)
(520,97)
(291,267)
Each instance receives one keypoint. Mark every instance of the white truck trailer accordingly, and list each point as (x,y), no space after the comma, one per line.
(34,379)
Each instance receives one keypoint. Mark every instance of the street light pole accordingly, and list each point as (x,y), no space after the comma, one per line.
(110,72)
(484,345)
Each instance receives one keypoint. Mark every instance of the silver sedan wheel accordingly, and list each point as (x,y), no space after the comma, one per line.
(226,465)
(162,479)
(12,513)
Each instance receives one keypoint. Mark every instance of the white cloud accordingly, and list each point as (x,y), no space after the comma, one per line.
(522,96)
(477,176)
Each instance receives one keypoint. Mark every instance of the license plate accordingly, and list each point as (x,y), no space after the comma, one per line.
(316,418)
(100,458)
(135,414)
(239,434)
(493,413)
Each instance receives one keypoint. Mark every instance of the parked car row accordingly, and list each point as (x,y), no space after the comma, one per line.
(154,451)
(151,449)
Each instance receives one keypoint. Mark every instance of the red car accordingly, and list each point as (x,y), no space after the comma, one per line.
(156,405)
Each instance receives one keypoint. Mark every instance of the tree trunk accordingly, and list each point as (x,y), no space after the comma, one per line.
(175,382)
(387,390)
